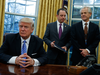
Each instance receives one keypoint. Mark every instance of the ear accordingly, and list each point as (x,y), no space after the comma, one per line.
(90,14)
(32,29)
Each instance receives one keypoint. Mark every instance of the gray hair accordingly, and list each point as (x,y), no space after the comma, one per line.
(89,9)
(27,20)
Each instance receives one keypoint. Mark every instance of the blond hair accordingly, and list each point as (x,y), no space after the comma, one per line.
(27,20)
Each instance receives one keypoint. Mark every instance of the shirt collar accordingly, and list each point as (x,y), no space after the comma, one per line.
(27,40)
(59,23)
(85,22)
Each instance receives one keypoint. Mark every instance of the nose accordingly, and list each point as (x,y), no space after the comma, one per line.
(22,28)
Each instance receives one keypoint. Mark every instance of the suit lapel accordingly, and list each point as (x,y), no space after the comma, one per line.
(89,30)
(31,44)
(55,29)
(81,30)
(18,45)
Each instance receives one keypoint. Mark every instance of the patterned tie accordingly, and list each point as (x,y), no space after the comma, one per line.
(85,30)
(24,50)
(60,30)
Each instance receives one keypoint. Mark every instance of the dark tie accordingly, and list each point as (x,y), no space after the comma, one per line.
(60,30)
(85,30)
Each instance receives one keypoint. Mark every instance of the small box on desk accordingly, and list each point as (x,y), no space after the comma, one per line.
(76,69)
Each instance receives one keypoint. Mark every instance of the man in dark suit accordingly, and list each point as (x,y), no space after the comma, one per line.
(84,36)
(52,36)
(10,51)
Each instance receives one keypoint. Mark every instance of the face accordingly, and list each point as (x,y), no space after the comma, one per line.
(62,16)
(85,15)
(25,29)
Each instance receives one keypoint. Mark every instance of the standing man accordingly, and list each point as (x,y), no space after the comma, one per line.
(57,33)
(84,36)
(23,48)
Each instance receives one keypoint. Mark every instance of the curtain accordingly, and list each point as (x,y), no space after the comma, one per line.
(2,13)
(47,13)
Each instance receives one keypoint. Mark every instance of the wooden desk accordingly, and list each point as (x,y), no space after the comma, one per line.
(6,69)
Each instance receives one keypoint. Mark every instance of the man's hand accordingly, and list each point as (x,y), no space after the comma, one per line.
(64,47)
(84,52)
(52,44)
(28,61)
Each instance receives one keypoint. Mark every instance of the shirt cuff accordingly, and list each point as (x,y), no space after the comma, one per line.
(12,60)
(88,50)
(37,63)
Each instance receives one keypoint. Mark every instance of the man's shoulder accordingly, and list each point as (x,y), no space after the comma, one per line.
(12,35)
(36,38)
(52,23)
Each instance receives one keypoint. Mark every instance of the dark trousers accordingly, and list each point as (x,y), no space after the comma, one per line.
(59,60)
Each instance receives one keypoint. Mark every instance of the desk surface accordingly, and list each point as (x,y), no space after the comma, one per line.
(6,69)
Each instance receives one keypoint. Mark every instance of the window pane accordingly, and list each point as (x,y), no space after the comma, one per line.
(75,21)
(10,6)
(78,2)
(97,1)
(76,12)
(20,6)
(30,8)
(8,23)
(88,1)
(97,12)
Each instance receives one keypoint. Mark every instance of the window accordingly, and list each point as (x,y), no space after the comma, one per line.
(17,9)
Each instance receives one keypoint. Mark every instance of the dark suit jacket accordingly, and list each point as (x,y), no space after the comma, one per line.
(51,34)
(78,40)
(12,47)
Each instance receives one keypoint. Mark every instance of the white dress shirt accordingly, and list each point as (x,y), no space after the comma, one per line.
(59,26)
(12,60)
(88,29)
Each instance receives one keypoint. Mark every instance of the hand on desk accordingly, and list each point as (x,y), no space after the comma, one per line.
(29,61)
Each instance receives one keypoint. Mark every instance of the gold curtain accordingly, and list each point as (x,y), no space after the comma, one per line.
(46,14)
(2,13)
(99,49)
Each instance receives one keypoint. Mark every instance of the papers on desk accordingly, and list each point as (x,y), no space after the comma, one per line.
(58,47)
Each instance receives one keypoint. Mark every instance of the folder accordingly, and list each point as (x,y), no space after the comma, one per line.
(58,47)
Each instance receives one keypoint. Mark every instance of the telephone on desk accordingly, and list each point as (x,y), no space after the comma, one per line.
(88,61)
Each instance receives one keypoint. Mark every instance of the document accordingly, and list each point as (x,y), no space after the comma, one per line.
(58,47)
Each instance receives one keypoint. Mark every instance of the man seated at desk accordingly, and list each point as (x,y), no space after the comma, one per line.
(23,48)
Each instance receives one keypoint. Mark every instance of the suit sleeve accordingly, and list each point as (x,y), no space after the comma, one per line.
(42,54)
(3,56)
(74,39)
(68,44)
(47,35)
(95,42)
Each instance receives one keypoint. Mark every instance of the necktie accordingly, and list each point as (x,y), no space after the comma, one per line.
(60,30)
(85,30)
(24,50)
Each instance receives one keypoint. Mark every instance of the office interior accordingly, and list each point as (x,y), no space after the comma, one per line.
(43,12)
